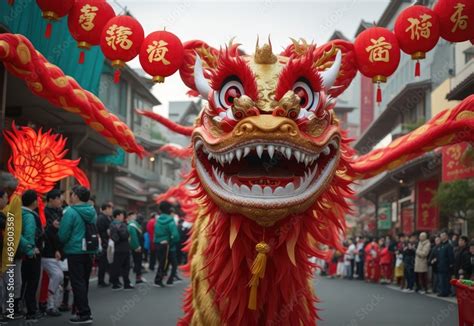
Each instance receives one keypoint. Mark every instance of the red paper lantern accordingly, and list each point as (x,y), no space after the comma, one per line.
(417,32)
(161,55)
(121,41)
(456,19)
(378,55)
(86,20)
(53,10)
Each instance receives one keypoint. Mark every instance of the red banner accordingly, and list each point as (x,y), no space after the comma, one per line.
(366,103)
(427,214)
(407,219)
(458,162)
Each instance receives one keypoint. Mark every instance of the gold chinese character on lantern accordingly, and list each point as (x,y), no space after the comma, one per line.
(118,35)
(86,19)
(458,19)
(419,27)
(157,51)
(379,50)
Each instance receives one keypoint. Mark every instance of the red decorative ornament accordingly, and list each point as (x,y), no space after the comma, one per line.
(38,162)
(378,55)
(53,10)
(417,32)
(161,55)
(121,41)
(86,20)
(456,19)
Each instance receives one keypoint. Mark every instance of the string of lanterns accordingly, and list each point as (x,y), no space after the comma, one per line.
(121,38)
(417,30)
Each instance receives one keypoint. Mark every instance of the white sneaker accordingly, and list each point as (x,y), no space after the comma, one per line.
(422,292)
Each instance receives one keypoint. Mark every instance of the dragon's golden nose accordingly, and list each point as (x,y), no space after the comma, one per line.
(265,125)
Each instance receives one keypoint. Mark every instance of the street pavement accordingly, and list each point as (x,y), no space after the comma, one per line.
(342,303)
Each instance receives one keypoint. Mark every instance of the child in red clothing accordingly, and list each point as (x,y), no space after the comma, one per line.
(386,262)
(372,262)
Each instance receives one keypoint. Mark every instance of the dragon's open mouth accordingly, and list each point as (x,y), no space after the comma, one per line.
(263,174)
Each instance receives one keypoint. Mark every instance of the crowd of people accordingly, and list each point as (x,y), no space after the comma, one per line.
(57,259)
(416,262)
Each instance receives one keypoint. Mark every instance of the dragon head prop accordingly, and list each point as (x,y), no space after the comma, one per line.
(268,142)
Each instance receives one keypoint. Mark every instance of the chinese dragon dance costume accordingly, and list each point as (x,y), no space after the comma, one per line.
(272,173)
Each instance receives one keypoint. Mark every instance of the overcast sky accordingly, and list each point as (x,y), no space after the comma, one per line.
(217,21)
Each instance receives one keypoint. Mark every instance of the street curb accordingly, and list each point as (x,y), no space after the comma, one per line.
(434,296)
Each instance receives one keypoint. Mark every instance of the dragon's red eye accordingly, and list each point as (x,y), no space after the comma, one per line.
(230,94)
(309,99)
(231,90)
(303,95)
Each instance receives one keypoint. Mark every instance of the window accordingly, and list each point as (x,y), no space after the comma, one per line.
(114,96)
(469,56)
(139,103)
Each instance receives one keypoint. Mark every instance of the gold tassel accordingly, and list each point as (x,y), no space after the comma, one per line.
(258,272)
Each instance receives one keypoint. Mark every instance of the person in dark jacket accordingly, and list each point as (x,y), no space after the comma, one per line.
(469,273)
(433,262)
(72,234)
(53,212)
(32,238)
(462,258)
(445,264)
(166,235)
(52,251)
(121,264)
(103,223)
(409,253)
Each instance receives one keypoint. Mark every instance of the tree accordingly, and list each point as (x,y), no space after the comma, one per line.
(456,198)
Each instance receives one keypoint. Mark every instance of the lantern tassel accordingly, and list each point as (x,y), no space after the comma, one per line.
(258,272)
(49,28)
(117,74)
(417,68)
(379,94)
(82,57)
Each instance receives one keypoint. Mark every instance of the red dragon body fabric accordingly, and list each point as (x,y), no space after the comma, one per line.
(271,175)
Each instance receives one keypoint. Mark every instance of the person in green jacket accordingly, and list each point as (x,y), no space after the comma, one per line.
(166,235)
(31,245)
(72,233)
(136,240)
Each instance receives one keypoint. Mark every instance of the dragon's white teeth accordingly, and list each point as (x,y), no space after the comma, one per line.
(235,188)
(297,155)
(257,190)
(209,156)
(231,157)
(267,191)
(279,191)
(303,156)
(288,152)
(326,150)
(259,150)
(289,188)
(306,160)
(238,153)
(244,190)
(271,150)
(246,151)
(334,144)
